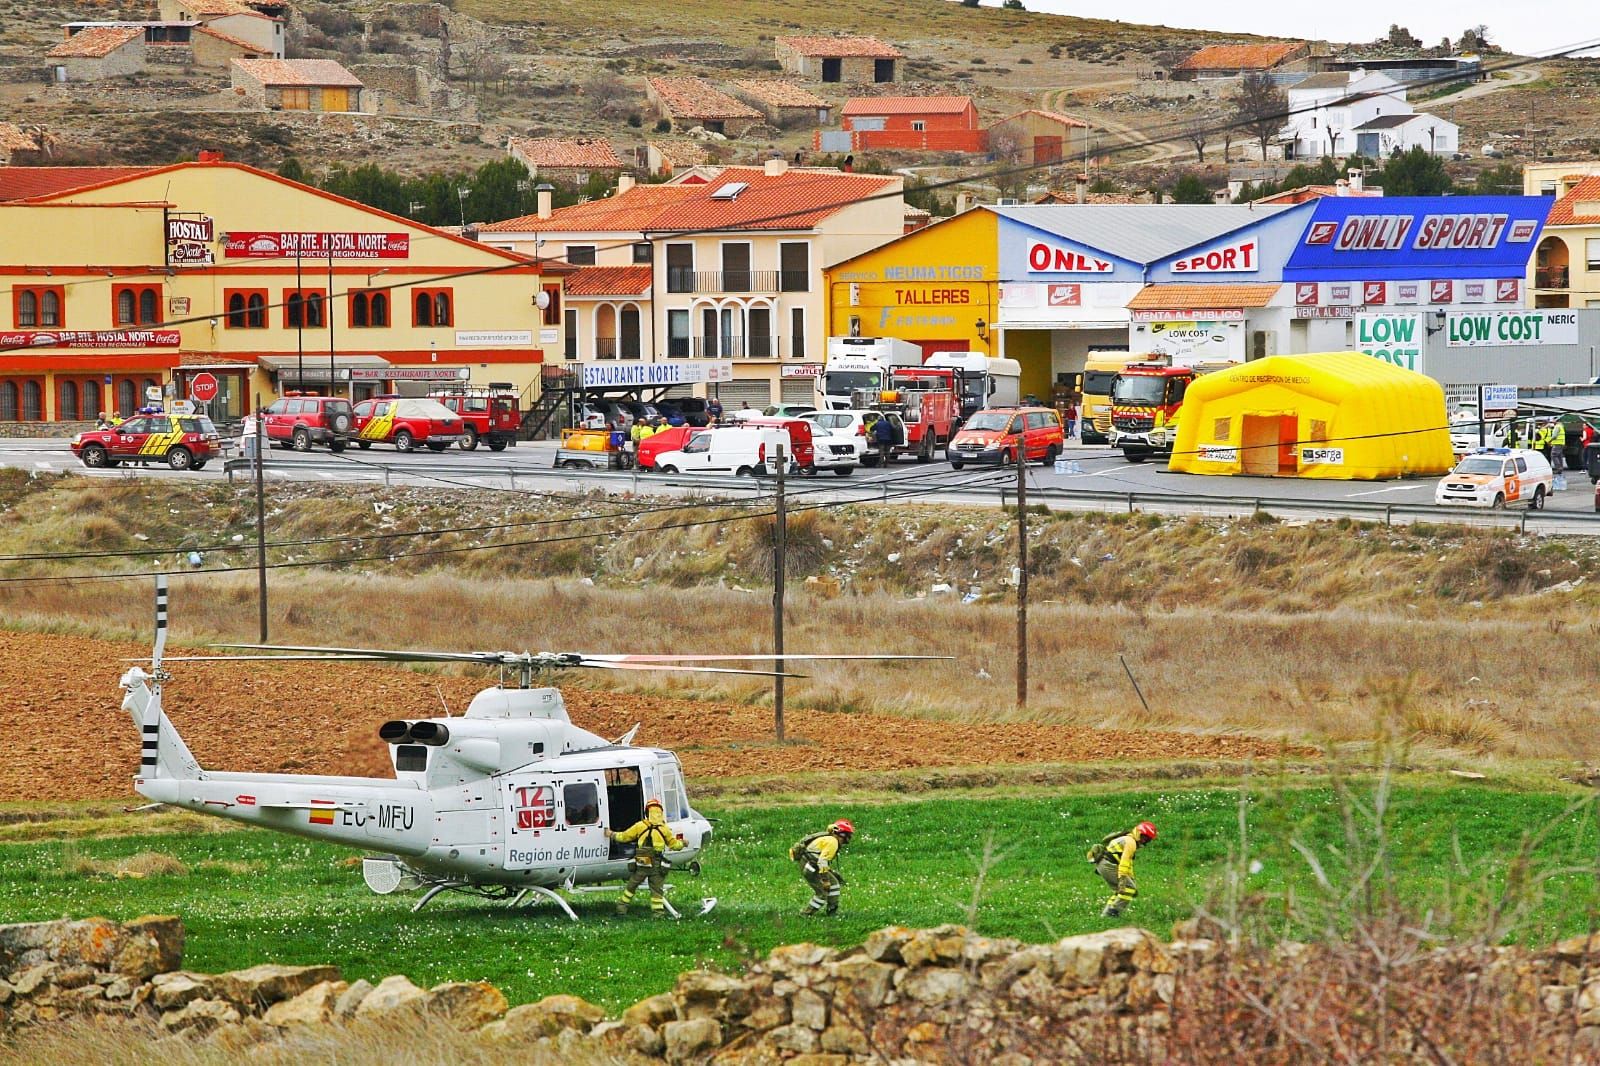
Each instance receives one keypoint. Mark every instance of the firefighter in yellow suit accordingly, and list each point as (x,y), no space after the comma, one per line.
(1113,861)
(652,839)
(815,855)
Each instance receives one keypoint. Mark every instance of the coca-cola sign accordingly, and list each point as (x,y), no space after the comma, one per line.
(261,245)
(92,338)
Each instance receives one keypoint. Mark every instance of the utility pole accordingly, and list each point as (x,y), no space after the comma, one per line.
(261,523)
(1022,576)
(780,547)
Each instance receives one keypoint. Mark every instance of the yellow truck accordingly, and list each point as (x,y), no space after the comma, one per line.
(1100,370)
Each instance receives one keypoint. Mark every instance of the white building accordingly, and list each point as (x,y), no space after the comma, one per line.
(1340,112)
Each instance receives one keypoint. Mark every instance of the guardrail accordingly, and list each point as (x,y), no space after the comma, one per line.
(844,489)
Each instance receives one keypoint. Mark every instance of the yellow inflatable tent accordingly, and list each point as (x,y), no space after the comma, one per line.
(1342,415)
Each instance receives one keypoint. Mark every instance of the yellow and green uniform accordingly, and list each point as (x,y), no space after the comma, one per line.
(815,856)
(1113,861)
(652,837)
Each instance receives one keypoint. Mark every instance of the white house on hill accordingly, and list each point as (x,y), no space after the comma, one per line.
(1345,111)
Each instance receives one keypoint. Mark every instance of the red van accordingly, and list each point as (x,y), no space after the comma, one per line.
(1000,434)
(668,440)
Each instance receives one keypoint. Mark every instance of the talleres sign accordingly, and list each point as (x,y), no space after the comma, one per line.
(1482,329)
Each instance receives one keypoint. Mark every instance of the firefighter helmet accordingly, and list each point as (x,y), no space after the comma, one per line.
(1147,830)
(653,803)
(843,827)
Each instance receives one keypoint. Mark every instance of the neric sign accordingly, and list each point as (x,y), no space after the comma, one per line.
(1230,259)
(1048,259)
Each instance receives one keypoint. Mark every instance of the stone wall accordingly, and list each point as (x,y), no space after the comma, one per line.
(12,430)
(942,995)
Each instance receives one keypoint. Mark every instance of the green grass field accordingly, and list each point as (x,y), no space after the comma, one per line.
(912,863)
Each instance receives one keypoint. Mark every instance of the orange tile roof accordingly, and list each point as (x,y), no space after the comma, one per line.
(1240,56)
(1071,198)
(822,47)
(12,139)
(26,183)
(781,93)
(1563,212)
(1174,297)
(299,72)
(203,8)
(585,152)
(608,281)
(96,42)
(793,200)
(1053,116)
(906,105)
(682,153)
(229,38)
(697,98)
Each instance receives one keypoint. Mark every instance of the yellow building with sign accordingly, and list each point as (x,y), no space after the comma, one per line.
(938,288)
(125,279)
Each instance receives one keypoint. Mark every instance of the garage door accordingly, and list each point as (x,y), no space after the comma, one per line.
(733,393)
(678,392)
(798,390)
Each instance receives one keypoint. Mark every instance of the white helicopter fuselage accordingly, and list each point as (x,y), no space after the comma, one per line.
(511,793)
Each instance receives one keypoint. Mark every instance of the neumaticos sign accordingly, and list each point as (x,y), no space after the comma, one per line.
(1418,237)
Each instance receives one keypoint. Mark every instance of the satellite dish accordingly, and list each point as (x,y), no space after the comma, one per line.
(541,300)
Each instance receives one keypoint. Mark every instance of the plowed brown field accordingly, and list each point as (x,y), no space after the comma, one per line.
(69,739)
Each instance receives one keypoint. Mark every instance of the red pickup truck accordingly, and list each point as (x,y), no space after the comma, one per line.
(406,423)
(489,413)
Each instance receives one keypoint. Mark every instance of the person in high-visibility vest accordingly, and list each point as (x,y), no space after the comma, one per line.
(816,855)
(1113,861)
(652,839)
(1558,445)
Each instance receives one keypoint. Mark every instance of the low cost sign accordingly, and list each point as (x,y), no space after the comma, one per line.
(1482,329)
(1395,339)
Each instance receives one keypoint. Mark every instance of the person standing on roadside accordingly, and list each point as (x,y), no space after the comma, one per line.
(883,439)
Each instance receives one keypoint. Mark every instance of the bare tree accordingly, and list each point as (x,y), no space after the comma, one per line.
(1010,155)
(1261,107)
(1198,131)
(607,94)
(487,68)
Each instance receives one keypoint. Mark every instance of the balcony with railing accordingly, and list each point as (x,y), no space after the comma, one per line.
(1551,278)
(756,346)
(721,281)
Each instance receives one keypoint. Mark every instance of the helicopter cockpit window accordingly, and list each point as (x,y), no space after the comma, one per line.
(582,802)
(410,757)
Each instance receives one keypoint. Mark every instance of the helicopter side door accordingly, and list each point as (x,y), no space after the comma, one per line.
(581,826)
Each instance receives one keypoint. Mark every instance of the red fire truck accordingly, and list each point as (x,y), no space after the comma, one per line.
(928,401)
(488,413)
(1146,399)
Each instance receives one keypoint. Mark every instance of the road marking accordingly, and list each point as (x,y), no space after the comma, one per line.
(42,465)
(1375,492)
(1097,473)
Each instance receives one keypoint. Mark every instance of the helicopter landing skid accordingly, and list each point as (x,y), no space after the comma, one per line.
(545,893)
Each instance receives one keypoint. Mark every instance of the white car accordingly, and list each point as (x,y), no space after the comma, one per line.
(725,450)
(835,442)
(777,410)
(1497,477)
(856,427)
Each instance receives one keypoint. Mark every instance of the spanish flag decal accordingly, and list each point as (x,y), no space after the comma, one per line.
(322,815)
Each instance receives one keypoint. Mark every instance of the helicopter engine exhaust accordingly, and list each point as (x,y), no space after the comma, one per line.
(394,732)
(430,733)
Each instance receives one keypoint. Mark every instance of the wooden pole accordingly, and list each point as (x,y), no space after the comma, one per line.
(261,522)
(1022,576)
(780,547)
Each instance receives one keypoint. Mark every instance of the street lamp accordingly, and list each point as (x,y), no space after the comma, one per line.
(462,192)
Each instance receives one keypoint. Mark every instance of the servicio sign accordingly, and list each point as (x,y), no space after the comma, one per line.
(1479,329)
(1395,339)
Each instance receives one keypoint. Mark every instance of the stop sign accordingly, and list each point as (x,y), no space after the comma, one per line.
(203,387)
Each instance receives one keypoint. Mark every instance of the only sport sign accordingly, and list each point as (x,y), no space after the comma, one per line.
(1482,329)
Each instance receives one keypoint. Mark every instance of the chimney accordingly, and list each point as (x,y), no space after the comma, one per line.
(210,155)
(1357,180)
(963,201)
(776,166)
(624,183)
(1083,187)
(546,193)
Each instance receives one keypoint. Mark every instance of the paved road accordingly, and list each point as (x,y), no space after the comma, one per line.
(529,467)
(1514,77)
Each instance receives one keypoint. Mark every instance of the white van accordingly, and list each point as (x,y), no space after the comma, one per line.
(726,450)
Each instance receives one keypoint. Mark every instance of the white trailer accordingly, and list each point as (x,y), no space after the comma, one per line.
(986,381)
(860,363)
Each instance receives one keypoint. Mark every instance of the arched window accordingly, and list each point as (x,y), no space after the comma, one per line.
(149,308)
(50,309)
(127,397)
(441,309)
(27,309)
(314,310)
(236,311)
(125,307)
(256,310)
(629,330)
(91,399)
(380,309)
(32,401)
(8,401)
(358,310)
(424,309)
(66,401)
(294,310)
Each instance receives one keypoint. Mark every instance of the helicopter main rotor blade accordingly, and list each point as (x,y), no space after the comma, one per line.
(268,659)
(487,658)
(603,665)
(745,658)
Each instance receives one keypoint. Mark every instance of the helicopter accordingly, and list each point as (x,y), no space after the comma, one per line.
(507,801)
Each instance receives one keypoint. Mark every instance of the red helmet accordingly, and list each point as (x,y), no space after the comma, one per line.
(654,803)
(1147,830)
(842,826)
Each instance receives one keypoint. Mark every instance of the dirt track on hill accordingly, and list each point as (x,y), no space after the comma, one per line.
(70,740)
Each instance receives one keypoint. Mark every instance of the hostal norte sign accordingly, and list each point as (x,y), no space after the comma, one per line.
(318,245)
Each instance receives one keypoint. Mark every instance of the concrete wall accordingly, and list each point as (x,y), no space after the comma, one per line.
(266,34)
(129,59)
(208,51)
